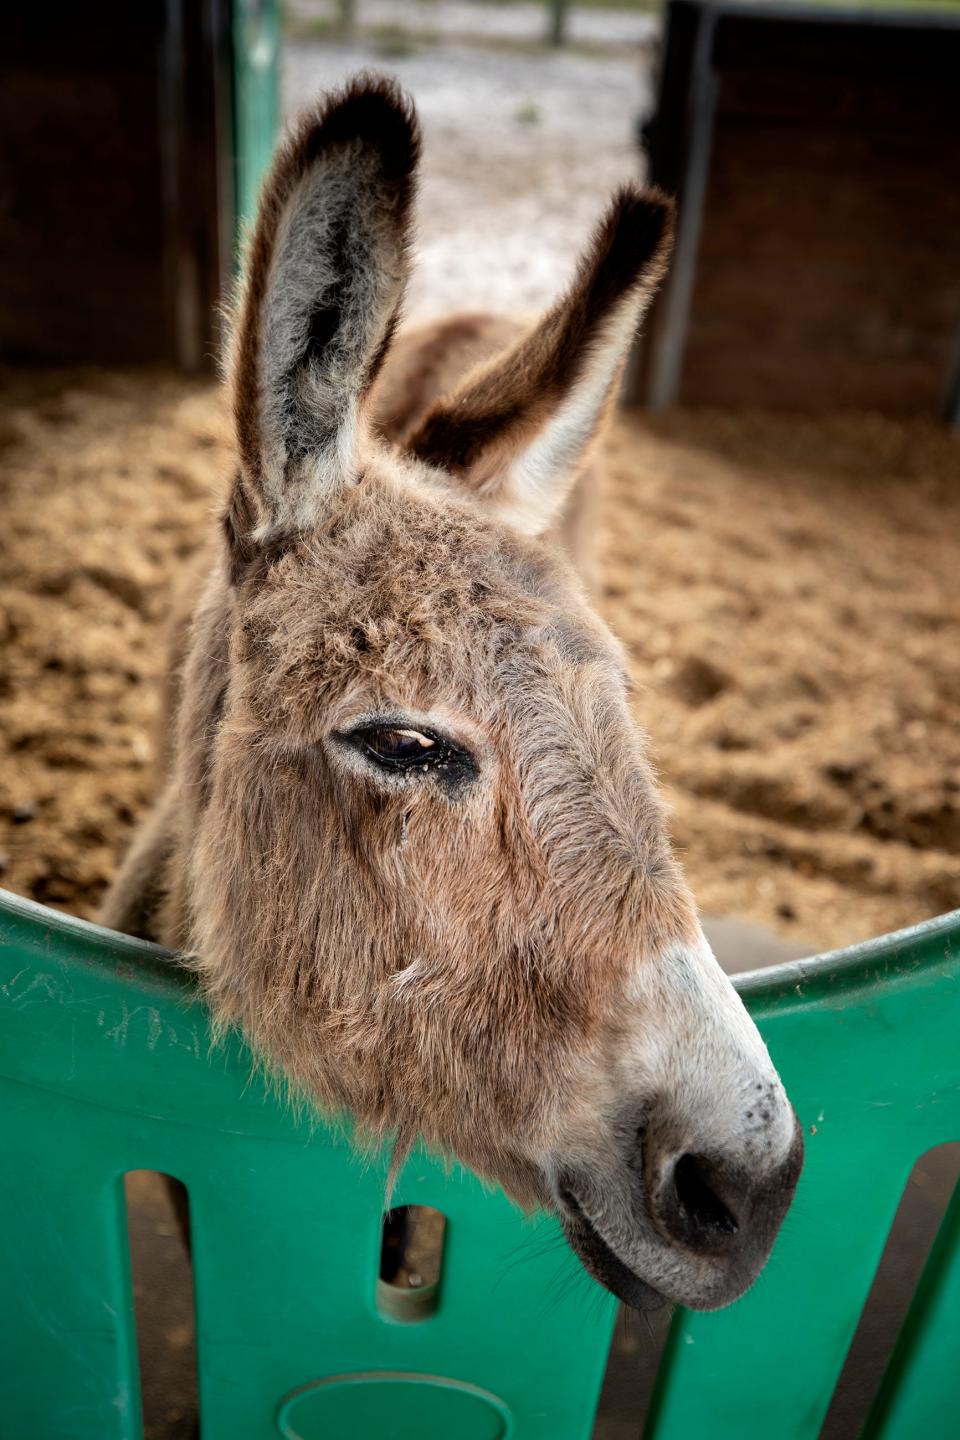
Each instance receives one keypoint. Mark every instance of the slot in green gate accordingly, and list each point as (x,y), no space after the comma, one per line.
(107,1066)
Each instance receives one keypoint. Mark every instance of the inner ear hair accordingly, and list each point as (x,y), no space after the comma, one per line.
(249,555)
(507,399)
(321,297)
(238,522)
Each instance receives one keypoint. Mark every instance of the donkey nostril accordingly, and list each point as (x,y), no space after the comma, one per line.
(700,1207)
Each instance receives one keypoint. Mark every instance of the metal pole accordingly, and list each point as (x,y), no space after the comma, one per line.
(558,21)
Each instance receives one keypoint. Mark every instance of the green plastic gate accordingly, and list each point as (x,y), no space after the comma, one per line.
(107,1066)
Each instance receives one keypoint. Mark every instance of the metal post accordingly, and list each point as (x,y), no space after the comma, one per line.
(666,362)
(558,21)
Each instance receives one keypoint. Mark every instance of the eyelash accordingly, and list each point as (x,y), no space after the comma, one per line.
(418,761)
(456,765)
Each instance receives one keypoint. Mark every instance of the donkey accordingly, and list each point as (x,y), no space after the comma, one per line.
(410,837)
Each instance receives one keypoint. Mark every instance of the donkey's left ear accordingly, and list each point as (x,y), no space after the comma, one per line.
(517,428)
(323,286)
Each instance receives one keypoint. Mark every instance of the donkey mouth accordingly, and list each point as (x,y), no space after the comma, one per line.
(600,1261)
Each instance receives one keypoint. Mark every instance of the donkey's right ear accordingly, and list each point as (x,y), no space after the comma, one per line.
(323,286)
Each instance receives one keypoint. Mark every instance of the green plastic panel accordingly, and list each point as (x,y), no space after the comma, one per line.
(256,99)
(107,1065)
(868,1043)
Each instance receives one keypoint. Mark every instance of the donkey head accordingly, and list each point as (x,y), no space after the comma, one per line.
(431,880)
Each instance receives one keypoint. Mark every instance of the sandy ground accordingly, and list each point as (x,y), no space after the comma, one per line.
(786,589)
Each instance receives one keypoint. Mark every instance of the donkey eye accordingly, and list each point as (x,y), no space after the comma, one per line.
(402,748)
(399,747)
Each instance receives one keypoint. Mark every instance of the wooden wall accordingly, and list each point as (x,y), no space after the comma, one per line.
(826,266)
(115,227)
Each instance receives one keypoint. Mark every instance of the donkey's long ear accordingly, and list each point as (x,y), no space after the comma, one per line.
(323,287)
(518,427)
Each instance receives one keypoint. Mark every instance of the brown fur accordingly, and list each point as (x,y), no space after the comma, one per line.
(429,364)
(479,953)
(365,117)
(506,399)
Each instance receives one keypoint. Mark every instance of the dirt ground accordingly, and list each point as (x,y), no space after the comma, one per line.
(786,588)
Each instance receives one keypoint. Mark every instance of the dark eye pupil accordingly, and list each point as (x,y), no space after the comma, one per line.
(399,744)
